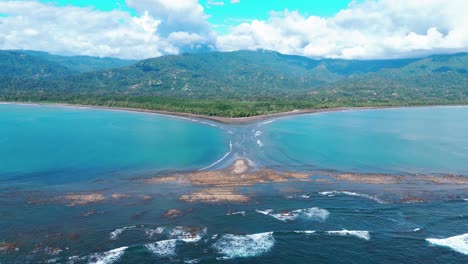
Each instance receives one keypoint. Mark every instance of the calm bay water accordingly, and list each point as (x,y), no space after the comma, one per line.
(50,151)
(402,140)
(63,144)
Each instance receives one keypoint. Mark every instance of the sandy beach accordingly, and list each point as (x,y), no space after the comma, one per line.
(227,120)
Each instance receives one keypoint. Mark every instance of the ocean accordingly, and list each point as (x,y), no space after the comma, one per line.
(74,188)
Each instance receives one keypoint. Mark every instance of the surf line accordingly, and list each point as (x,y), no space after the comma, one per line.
(221,159)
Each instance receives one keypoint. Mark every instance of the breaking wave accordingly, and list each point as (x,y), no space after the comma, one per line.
(114,235)
(456,243)
(308,232)
(188,234)
(298,196)
(236,246)
(165,248)
(359,234)
(242,213)
(314,213)
(152,232)
(333,193)
(107,257)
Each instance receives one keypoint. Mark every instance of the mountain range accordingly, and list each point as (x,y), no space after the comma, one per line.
(240,75)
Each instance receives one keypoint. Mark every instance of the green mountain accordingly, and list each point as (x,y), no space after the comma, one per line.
(38,65)
(236,83)
(20,65)
(81,64)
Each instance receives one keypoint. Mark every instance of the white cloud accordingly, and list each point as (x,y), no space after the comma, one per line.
(214,3)
(370,29)
(176,15)
(74,30)
(364,30)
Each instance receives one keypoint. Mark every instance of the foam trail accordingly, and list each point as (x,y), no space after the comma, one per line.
(360,234)
(218,161)
(165,248)
(258,133)
(107,257)
(456,243)
(333,193)
(235,246)
(114,235)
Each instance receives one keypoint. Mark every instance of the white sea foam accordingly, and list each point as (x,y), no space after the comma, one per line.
(188,235)
(152,232)
(333,193)
(165,248)
(456,243)
(260,143)
(114,235)
(314,213)
(237,213)
(192,261)
(107,257)
(266,122)
(295,196)
(304,232)
(264,212)
(357,233)
(221,159)
(258,133)
(236,246)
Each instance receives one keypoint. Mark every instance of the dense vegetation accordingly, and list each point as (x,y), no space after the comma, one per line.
(242,83)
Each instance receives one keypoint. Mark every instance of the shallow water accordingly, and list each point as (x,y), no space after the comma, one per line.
(53,145)
(293,222)
(402,140)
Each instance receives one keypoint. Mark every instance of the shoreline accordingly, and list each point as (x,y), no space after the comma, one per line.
(232,120)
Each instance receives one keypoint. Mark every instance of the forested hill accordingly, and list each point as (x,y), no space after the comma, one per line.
(81,64)
(281,82)
(37,64)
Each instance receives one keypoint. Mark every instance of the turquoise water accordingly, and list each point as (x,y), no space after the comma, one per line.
(48,143)
(404,140)
(47,152)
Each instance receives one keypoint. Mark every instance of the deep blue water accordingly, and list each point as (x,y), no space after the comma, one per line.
(51,151)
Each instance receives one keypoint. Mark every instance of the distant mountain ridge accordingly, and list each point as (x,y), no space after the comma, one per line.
(234,74)
(240,75)
(38,64)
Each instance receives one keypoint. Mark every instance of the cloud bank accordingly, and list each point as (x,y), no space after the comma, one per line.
(364,30)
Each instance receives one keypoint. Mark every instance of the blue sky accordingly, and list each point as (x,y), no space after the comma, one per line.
(346,29)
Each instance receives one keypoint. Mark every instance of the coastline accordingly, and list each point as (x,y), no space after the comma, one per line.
(229,120)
